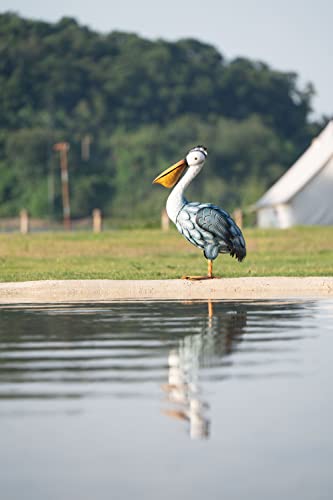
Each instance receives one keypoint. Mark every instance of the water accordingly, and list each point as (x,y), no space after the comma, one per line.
(167,400)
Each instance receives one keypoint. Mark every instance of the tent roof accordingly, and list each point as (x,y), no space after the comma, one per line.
(307,166)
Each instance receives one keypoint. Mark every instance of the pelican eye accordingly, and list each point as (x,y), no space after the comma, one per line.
(195,158)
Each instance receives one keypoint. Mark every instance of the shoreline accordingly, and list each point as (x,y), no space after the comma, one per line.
(71,291)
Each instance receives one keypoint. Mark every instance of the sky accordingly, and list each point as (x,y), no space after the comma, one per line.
(289,35)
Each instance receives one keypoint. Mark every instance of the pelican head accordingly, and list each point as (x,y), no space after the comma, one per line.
(195,158)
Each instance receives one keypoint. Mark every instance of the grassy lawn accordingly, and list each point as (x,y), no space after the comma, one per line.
(151,254)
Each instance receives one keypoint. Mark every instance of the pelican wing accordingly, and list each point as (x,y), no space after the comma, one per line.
(221,225)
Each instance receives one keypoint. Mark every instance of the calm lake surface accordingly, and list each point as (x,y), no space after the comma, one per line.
(167,400)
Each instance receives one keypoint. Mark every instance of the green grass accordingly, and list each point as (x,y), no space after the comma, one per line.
(151,254)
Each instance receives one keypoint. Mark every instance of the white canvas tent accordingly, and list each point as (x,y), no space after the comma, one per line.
(304,194)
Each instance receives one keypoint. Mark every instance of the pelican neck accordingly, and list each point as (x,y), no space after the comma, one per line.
(176,199)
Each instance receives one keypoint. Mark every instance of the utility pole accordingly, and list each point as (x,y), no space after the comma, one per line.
(63,148)
(85,147)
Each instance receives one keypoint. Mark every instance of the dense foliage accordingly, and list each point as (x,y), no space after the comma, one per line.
(143,104)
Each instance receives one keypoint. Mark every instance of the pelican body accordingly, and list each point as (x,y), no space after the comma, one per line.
(204,225)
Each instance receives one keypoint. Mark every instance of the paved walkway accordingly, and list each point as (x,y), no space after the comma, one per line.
(108,290)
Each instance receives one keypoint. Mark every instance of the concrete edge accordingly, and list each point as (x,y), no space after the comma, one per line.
(67,291)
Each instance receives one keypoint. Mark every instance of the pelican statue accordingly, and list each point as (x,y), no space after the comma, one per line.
(204,225)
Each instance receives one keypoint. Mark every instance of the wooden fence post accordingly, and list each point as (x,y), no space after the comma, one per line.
(97,220)
(24,221)
(238,216)
(165,222)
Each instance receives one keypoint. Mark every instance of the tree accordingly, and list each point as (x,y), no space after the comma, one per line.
(142,103)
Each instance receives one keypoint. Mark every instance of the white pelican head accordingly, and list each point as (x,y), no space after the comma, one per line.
(196,156)
(195,159)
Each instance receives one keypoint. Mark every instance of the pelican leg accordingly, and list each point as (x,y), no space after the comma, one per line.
(208,277)
(210,269)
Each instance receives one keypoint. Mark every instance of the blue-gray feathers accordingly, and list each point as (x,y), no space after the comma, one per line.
(212,229)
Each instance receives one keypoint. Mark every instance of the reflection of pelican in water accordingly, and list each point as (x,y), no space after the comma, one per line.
(219,335)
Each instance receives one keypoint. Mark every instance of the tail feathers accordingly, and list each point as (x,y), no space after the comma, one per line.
(238,250)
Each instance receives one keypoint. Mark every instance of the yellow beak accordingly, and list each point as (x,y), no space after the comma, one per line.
(169,177)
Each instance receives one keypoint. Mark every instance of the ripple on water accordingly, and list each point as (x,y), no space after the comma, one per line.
(92,351)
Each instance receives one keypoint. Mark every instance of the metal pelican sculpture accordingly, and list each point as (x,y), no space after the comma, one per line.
(204,225)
